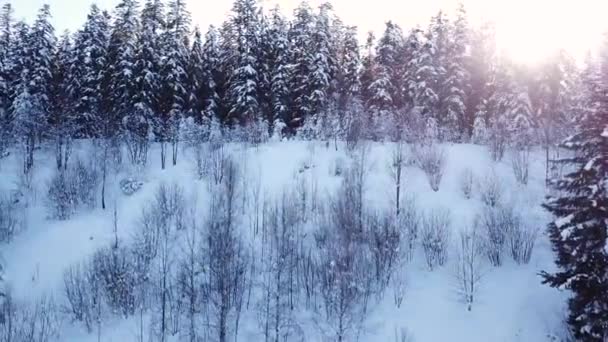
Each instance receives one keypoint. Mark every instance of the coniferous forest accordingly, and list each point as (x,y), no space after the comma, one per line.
(141,82)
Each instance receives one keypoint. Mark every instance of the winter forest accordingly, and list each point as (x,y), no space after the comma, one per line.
(284,177)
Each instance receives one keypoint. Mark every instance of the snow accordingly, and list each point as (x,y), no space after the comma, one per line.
(512,304)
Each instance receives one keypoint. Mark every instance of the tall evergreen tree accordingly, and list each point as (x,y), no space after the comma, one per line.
(279,71)
(174,93)
(213,77)
(121,83)
(61,112)
(245,80)
(90,62)
(301,60)
(579,233)
(196,73)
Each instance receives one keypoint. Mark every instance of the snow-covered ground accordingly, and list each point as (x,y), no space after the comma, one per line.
(512,304)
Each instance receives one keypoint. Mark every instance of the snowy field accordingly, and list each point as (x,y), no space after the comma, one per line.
(510,305)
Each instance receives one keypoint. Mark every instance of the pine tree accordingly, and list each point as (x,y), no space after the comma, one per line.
(456,83)
(121,83)
(147,80)
(90,62)
(174,94)
(348,69)
(390,64)
(245,81)
(6,76)
(322,62)
(32,104)
(212,77)
(61,113)
(579,233)
(280,70)
(196,73)
(301,60)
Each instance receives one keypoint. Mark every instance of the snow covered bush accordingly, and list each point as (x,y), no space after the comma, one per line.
(114,268)
(431,159)
(435,237)
(9,220)
(466,183)
(468,266)
(498,139)
(409,223)
(35,321)
(83,294)
(72,189)
(520,239)
(498,224)
(403,335)
(490,189)
(385,240)
(520,162)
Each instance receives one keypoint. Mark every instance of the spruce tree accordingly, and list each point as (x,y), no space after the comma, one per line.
(579,233)
(301,61)
(280,70)
(174,79)
(244,83)
(212,78)
(121,83)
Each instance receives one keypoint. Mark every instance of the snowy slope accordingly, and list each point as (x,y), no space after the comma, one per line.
(512,304)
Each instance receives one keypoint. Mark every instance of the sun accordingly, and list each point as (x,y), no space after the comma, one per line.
(529,31)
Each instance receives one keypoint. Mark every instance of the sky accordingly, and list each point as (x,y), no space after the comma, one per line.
(527,30)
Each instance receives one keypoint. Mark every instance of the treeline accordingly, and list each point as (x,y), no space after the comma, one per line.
(143,74)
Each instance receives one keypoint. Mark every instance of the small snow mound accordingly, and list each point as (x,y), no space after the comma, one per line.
(129,186)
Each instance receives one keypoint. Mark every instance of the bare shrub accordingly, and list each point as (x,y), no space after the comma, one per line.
(520,162)
(395,169)
(490,190)
(497,224)
(72,189)
(114,268)
(468,267)
(225,255)
(9,218)
(399,286)
(403,335)
(466,183)
(409,223)
(498,140)
(32,322)
(435,237)
(83,294)
(521,240)
(384,241)
(345,283)
(431,159)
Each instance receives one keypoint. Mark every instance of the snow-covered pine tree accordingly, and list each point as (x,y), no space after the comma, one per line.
(279,57)
(174,78)
(213,77)
(368,69)
(579,233)
(321,68)
(481,63)
(457,79)
(196,71)
(90,60)
(301,60)
(121,65)
(244,82)
(147,67)
(426,87)
(32,104)
(348,68)
(391,65)
(61,111)
(6,77)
